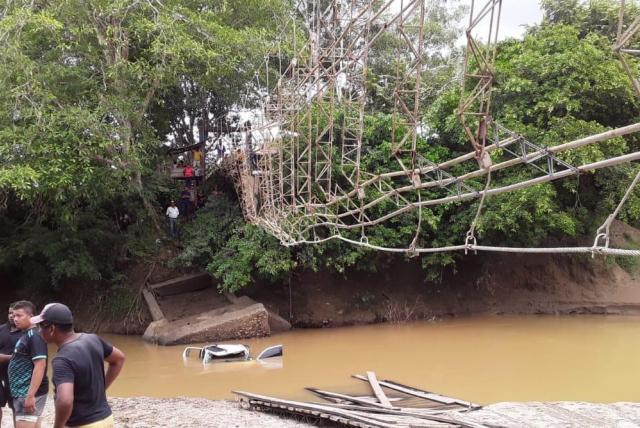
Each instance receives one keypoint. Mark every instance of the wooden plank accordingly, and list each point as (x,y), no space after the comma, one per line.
(318,407)
(400,411)
(375,386)
(421,394)
(444,416)
(420,403)
(345,397)
(444,397)
(391,399)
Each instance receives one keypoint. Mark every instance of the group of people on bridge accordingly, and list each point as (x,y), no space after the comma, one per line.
(78,373)
(188,167)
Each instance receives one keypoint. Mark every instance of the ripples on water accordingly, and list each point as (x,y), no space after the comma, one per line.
(481,359)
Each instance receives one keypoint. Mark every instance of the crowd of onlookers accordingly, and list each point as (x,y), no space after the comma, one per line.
(78,373)
(190,164)
(189,167)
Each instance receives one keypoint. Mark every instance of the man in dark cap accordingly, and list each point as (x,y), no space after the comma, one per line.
(78,370)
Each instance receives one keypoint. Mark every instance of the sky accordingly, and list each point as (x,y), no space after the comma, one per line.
(515,15)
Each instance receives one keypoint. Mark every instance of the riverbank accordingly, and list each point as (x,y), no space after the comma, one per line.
(482,284)
(143,412)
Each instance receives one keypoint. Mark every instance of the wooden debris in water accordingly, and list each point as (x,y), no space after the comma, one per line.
(415,408)
(392,405)
(346,398)
(422,394)
(375,386)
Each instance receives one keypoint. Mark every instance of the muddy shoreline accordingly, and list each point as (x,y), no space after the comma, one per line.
(509,285)
(483,284)
(143,412)
(146,412)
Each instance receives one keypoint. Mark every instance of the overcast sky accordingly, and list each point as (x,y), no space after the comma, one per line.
(516,14)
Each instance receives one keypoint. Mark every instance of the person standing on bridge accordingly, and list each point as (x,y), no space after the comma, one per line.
(219,148)
(188,174)
(78,370)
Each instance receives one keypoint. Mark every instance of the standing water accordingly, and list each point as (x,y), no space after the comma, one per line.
(485,360)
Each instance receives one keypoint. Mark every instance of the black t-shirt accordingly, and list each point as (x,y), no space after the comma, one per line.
(29,348)
(81,362)
(8,340)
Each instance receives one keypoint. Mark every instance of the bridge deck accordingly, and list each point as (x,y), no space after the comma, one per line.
(407,407)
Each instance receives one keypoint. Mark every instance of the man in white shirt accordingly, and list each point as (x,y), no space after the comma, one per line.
(173,213)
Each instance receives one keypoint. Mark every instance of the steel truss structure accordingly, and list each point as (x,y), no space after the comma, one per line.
(623,46)
(305,183)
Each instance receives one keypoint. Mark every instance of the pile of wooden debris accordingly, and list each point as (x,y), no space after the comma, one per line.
(391,405)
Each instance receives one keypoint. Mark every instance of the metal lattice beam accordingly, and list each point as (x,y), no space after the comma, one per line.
(306,183)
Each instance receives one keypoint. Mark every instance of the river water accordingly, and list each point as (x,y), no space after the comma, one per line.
(481,359)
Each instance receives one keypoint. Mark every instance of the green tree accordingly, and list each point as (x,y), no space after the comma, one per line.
(558,84)
(86,89)
(597,16)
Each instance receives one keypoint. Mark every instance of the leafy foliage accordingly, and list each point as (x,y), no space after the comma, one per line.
(249,255)
(92,90)
(236,253)
(560,83)
(87,103)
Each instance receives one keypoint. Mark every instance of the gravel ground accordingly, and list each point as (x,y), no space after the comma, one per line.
(143,412)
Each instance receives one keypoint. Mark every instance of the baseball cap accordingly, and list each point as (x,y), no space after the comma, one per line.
(54,313)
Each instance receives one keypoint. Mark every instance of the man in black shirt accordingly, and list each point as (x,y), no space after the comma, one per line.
(9,335)
(78,370)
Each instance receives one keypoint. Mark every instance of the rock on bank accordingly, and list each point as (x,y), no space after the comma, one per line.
(145,412)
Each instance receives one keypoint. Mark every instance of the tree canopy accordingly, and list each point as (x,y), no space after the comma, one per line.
(94,89)
(90,96)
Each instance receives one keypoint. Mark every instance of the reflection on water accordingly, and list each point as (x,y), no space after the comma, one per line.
(484,360)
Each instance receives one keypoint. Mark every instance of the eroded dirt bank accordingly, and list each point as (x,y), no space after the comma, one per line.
(486,283)
(509,285)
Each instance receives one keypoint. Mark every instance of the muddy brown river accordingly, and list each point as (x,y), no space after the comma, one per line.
(486,359)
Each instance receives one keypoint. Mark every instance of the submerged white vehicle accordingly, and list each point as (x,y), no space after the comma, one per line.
(231,353)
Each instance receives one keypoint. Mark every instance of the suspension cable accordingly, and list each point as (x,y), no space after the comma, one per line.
(603,230)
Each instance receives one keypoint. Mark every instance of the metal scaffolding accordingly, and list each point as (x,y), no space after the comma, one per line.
(305,182)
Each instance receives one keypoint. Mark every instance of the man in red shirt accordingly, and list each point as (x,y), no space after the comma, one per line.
(188,173)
